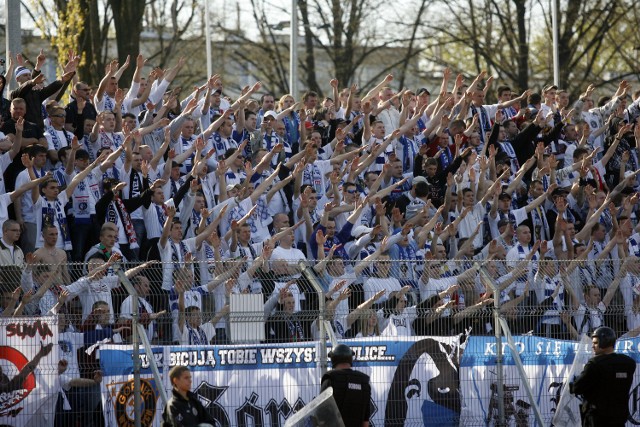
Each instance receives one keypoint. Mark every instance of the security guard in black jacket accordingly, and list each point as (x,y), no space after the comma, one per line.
(605,383)
(184,408)
(351,389)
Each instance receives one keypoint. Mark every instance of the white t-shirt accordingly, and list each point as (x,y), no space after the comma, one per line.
(293,256)
(469,223)
(69,343)
(5,201)
(89,292)
(57,139)
(588,319)
(126,312)
(28,212)
(375,284)
(187,332)
(112,140)
(154,218)
(85,195)
(295,291)
(435,286)
(397,325)
(514,256)
(5,161)
(258,222)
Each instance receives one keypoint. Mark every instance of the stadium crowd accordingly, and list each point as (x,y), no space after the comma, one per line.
(416,213)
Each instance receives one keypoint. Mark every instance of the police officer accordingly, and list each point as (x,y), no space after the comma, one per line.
(605,382)
(351,389)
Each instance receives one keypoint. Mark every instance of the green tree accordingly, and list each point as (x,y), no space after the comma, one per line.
(75,25)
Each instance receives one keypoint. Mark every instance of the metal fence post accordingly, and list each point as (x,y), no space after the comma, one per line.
(498,334)
(137,399)
(499,355)
(322,342)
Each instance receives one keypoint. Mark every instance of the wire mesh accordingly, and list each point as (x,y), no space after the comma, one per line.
(249,330)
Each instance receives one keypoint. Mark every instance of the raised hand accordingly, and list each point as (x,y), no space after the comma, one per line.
(321,239)
(27,162)
(20,125)
(63,296)
(333,249)
(40,59)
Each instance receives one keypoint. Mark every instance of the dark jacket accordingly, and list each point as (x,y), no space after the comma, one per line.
(352,393)
(35,97)
(130,204)
(181,412)
(605,383)
(77,120)
(283,327)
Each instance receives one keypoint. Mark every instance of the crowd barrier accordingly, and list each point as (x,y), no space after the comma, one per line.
(446,381)
(471,378)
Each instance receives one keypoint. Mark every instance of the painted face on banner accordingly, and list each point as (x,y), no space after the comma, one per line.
(429,385)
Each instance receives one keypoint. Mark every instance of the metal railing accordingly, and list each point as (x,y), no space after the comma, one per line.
(412,324)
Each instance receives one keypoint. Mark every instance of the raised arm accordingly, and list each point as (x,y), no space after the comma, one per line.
(82,175)
(388,79)
(112,68)
(612,148)
(166,229)
(613,287)
(259,191)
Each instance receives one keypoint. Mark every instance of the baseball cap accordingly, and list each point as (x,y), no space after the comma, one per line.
(422,90)
(360,230)
(271,114)
(417,179)
(21,71)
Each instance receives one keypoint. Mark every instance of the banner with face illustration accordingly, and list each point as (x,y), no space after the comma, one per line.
(444,381)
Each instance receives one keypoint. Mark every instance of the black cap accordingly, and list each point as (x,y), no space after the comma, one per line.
(606,336)
(341,353)
(422,90)
(504,196)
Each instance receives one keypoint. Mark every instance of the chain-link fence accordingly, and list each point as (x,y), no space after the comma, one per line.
(435,336)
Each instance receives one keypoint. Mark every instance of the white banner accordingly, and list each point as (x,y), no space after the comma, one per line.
(567,413)
(29,370)
(413,379)
(548,364)
(417,381)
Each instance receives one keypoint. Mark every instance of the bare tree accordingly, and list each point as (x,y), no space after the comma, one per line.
(127,19)
(587,31)
(473,35)
(595,40)
(347,34)
(170,22)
